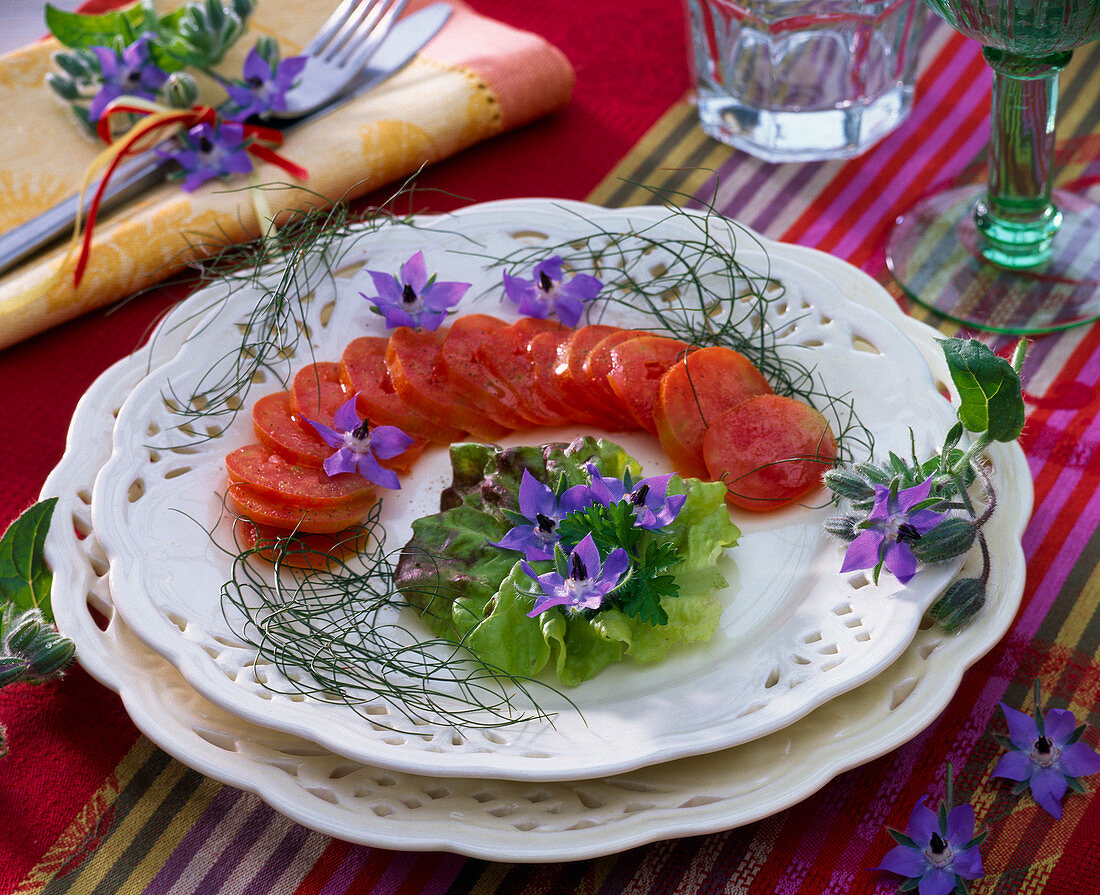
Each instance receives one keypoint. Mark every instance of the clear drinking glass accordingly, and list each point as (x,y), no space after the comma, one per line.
(1014,255)
(803,80)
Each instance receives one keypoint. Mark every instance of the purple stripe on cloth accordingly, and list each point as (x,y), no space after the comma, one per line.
(271,871)
(230,857)
(223,801)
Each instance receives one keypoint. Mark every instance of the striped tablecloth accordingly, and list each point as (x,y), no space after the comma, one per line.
(89,805)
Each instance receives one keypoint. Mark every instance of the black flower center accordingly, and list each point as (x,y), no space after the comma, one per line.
(577,571)
(938,844)
(907,533)
(1043,745)
(408,295)
(255,82)
(545,523)
(362,430)
(545,283)
(639,496)
(204,144)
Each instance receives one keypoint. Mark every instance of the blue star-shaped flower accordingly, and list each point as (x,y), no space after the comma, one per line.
(414,299)
(264,89)
(938,850)
(895,521)
(208,151)
(359,447)
(129,73)
(546,292)
(541,511)
(1045,754)
(586,582)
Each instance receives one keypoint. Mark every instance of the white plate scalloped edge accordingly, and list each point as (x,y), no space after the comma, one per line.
(504,820)
(871,627)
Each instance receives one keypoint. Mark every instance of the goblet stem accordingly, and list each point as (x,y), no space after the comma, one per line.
(1016,219)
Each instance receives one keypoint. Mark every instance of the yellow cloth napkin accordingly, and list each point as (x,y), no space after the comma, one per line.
(476,79)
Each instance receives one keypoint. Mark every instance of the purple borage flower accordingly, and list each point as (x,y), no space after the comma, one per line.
(545,293)
(939,851)
(584,582)
(263,89)
(1045,754)
(359,448)
(541,511)
(414,299)
(208,151)
(895,521)
(653,507)
(129,73)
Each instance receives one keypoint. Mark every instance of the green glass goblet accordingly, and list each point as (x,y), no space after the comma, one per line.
(1014,255)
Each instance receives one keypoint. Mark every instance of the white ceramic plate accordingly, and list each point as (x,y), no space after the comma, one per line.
(497,819)
(794,632)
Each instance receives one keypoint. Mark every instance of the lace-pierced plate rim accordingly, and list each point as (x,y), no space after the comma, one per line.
(516,763)
(928,674)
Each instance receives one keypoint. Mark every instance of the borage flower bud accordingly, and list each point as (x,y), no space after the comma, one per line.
(12,669)
(843,527)
(180,90)
(952,537)
(845,483)
(959,603)
(25,631)
(50,655)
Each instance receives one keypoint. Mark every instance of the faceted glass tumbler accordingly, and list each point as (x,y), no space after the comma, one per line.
(804,80)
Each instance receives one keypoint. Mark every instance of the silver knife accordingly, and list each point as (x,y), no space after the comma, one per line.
(135,176)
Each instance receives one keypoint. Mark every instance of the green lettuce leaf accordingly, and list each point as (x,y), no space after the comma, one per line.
(479,595)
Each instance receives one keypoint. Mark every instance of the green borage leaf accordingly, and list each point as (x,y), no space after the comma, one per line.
(25,579)
(992,398)
(83,31)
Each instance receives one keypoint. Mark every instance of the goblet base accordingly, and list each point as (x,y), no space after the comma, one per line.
(934,252)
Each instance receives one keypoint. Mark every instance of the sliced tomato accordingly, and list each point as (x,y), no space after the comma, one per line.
(364,371)
(545,350)
(318,391)
(458,356)
(637,367)
(318,551)
(701,387)
(280,430)
(272,474)
(597,365)
(769,451)
(286,433)
(571,380)
(264,509)
(412,358)
(507,356)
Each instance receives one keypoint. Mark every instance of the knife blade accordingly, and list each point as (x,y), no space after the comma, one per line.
(136,175)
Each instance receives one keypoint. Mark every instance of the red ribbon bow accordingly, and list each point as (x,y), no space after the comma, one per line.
(262,141)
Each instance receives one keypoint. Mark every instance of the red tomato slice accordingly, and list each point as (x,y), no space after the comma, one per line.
(637,367)
(572,381)
(459,360)
(318,551)
(769,451)
(506,354)
(364,371)
(597,365)
(318,391)
(267,510)
(293,483)
(285,433)
(545,350)
(699,388)
(279,430)
(412,358)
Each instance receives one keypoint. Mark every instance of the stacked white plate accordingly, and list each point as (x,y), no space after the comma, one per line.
(811,672)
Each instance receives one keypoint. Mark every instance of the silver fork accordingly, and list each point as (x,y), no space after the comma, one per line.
(338,52)
(337,55)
